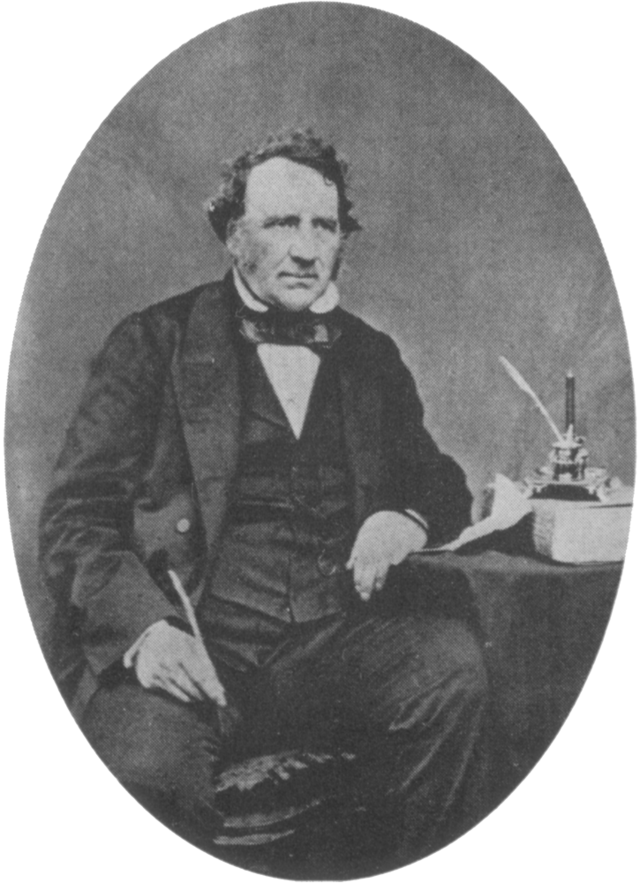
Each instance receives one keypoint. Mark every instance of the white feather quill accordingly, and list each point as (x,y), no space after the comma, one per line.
(215,690)
(186,605)
(517,377)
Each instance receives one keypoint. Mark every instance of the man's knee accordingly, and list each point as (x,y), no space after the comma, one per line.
(452,662)
(464,657)
(150,741)
(439,672)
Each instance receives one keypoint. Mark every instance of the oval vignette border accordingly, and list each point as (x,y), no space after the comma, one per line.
(169,281)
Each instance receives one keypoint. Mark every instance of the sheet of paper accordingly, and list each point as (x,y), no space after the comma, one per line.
(509,507)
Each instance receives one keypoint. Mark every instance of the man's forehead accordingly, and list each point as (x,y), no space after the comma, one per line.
(280,185)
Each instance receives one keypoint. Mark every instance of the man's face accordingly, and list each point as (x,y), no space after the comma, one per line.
(287,243)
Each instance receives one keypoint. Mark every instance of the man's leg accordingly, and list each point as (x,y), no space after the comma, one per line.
(164,751)
(406,692)
(426,695)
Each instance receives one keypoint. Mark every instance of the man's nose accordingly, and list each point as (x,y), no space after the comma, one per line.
(304,245)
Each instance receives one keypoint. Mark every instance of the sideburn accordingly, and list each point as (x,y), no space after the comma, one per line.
(246,259)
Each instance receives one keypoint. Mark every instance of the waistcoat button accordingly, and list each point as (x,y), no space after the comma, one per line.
(183,525)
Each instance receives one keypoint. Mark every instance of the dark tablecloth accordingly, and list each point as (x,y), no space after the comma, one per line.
(541,625)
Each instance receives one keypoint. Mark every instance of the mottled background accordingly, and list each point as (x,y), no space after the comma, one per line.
(476,242)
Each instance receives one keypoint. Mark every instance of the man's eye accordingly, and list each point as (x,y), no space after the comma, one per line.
(289,221)
(326,224)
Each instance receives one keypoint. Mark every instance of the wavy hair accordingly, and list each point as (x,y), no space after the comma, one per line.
(303,147)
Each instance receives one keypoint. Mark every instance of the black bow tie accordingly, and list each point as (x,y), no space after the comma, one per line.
(318,331)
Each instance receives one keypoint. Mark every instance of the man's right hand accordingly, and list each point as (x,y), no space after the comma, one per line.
(169,659)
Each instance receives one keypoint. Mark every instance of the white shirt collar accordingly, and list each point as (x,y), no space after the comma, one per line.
(325,303)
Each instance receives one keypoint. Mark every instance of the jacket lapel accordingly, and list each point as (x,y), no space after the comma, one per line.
(205,372)
(362,415)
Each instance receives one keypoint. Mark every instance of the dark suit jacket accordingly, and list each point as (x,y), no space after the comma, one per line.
(149,462)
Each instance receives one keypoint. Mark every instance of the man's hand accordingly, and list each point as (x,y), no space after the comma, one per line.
(385,539)
(172,660)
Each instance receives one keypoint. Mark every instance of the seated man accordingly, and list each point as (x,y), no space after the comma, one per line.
(266,447)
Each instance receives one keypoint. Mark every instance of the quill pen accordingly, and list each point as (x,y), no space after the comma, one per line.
(517,377)
(218,694)
(186,605)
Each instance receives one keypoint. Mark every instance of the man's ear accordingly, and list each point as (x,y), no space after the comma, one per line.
(232,241)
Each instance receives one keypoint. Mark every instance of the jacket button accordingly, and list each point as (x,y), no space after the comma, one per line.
(326,565)
(183,525)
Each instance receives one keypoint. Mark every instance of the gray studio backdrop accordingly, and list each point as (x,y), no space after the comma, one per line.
(476,242)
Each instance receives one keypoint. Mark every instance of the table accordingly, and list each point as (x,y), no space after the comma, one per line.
(540,624)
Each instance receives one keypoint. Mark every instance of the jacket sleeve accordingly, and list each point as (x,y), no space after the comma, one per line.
(87,558)
(418,476)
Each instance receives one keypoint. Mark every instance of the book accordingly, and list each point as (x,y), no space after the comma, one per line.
(575,532)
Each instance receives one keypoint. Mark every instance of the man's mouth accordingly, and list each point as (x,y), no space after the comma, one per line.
(301,276)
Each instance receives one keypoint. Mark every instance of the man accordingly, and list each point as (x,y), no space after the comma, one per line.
(263,446)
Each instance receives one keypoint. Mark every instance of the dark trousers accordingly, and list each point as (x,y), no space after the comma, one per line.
(404,692)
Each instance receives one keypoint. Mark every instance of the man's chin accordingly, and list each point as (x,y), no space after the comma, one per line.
(295,299)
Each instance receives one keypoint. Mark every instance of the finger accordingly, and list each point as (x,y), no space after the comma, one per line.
(145,672)
(363,548)
(361,563)
(370,583)
(184,678)
(358,575)
(172,673)
(203,673)
(175,691)
(144,679)
(214,689)
(374,578)
(380,577)
(364,585)
(167,675)
(129,658)
(160,682)
(207,683)
(211,684)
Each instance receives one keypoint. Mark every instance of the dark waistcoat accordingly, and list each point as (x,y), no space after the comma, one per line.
(290,524)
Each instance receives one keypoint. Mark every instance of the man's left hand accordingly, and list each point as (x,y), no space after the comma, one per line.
(385,539)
